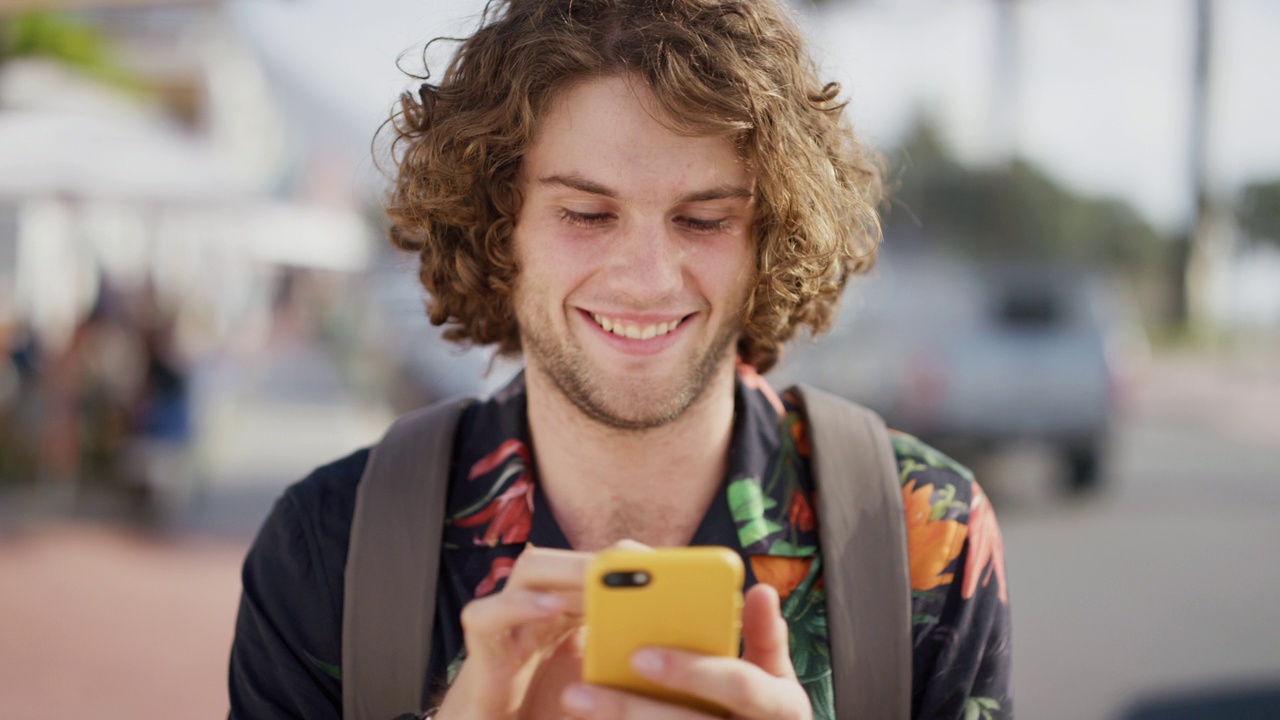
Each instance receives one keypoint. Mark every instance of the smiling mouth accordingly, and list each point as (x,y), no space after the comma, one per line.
(635,332)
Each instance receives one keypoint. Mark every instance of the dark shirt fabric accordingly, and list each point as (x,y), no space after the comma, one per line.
(286,656)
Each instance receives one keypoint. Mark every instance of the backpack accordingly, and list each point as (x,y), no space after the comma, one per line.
(394,556)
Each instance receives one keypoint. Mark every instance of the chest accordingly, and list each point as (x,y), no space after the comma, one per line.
(650,522)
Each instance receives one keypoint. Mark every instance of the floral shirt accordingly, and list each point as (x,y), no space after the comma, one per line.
(285,660)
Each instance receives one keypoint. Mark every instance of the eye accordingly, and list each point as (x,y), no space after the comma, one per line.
(699,225)
(585,220)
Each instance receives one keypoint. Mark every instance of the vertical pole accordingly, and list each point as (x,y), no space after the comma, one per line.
(1003,116)
(1191,274)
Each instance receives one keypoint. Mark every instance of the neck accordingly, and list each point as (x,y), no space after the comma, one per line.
(605,484)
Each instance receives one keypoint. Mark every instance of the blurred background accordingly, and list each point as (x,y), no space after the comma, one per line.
(1079,295)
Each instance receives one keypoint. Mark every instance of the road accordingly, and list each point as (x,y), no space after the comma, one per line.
(1167,580)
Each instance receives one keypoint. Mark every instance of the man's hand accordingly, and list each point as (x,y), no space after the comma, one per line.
(760,686)
(508,634)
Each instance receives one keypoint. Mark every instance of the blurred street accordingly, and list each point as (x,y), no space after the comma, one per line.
(198,305)
(1165,581)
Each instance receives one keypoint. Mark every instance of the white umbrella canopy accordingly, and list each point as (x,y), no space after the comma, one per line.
(61,153)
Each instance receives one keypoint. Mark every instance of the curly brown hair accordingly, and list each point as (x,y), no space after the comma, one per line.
(731,68)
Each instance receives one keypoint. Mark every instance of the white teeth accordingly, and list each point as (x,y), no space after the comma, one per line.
(617,327)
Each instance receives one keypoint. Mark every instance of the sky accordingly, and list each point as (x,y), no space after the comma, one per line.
(1101,89)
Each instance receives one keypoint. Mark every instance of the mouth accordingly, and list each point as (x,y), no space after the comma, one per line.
(633,330)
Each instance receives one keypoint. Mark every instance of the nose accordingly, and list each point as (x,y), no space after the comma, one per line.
(647,263)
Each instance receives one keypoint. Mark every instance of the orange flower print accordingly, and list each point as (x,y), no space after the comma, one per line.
(931,544)
(800,434)
(801,513)
(986,549)
(784,573)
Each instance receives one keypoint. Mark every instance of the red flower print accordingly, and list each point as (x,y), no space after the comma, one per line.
(500,569)
(510,515)
(495,459)
(801,514)
(986,549)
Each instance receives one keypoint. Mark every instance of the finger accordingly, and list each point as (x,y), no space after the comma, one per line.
(547,569)
(518,620)
(592,702)
(764,632)
(746,689)
(628,545)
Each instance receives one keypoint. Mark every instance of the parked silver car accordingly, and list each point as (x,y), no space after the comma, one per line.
(980,356)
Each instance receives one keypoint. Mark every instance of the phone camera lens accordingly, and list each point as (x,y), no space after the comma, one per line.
(626,579)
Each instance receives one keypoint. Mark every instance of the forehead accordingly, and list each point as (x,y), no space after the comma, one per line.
(612,131)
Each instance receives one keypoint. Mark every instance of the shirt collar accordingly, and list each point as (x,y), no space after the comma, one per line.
(763,506)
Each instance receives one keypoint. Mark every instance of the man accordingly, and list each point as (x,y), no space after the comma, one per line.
(646,199)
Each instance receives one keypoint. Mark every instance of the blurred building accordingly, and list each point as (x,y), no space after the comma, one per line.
(165,223)
(173,167)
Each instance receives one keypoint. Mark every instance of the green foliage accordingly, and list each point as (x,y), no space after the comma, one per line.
(980,708)
(748,503)
(57,37)
(1012,211)
(1258,211)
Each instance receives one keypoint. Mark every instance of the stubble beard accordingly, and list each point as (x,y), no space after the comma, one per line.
(636,405)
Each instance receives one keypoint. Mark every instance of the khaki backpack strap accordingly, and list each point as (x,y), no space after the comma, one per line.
(393,559)
(863,535)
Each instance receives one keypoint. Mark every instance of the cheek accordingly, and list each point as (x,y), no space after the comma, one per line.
(729,265)
(551,263)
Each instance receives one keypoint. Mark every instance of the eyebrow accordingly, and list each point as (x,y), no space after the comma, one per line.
(574,181)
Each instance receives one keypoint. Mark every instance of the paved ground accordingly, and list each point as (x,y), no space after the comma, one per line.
(101,622)
(1166,581)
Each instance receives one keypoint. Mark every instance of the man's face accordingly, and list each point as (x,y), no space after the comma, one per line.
(635,255)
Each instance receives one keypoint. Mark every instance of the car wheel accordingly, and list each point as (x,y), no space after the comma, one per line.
(1083,469)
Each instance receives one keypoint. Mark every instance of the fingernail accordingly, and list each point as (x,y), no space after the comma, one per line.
(648,662)
(548,602)
(579,698)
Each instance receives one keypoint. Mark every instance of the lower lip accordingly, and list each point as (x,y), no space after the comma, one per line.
(633,346)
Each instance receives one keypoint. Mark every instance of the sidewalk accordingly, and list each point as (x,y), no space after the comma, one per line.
(101,622)
(1240,399)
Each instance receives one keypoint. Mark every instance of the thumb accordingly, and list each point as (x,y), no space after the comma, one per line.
(764,632)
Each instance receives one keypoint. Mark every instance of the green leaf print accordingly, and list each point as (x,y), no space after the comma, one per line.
(908,467)
(757,530)
(514,468)
(980,708)
(822,698)
(455,666)
(747,503)
(946,502)
(908,446)
(329,669)
(783,548)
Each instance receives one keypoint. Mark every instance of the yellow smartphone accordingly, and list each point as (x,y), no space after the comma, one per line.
(685,598)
